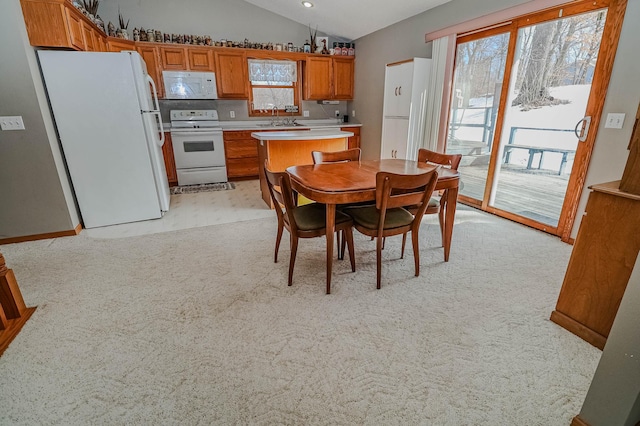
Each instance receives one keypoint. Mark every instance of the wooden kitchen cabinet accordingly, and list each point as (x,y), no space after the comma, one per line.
(317,78)
(169,160)
(118,44)
(343,70)
(601,262)
(56,23)
(200,59)
(151,56)
(232,76)
(354,141)
(173,58)
(241,154)
(328,77)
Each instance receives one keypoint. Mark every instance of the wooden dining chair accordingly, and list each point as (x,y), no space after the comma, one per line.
(388,217)
(352,154)
(306,221)
(436,206)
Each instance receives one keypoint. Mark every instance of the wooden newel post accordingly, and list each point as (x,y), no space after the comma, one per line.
(13,312)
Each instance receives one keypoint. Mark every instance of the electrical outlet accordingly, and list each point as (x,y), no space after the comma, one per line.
(353,113)
(11,123)
(614,121)
(305,113)
(232,114)
(337,113)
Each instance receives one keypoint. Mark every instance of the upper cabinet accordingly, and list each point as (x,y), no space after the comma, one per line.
(200,59)
(56,23)
(151,56)
(343,69)
(317,78)
(328,77)
(232,77)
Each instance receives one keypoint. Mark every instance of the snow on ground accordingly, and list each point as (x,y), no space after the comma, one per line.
(563,117)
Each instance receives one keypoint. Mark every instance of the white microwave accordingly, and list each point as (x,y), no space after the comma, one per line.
(189,85)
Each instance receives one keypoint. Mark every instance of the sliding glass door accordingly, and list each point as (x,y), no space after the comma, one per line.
(523,99)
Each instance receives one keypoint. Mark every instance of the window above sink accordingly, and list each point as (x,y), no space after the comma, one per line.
(274,85)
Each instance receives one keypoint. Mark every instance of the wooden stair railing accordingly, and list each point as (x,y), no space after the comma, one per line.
(13,312)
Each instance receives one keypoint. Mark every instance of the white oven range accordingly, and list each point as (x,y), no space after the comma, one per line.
(198,147)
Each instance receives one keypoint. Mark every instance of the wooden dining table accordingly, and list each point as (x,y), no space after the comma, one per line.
(353,182)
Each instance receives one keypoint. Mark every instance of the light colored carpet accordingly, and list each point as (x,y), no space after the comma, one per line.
(198,326)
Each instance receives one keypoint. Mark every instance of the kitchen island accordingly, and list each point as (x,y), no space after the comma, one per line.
(293,148)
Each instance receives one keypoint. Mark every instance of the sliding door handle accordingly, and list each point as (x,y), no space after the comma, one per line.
(582,128)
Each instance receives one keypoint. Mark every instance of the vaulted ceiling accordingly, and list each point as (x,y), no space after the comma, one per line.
(348,19)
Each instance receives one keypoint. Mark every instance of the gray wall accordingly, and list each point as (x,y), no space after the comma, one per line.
(35,196)
(614,395)
(406,39)
(231,20)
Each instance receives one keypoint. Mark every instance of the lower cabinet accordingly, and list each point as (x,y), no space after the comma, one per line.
(354,141)
(241,154)
(601,262)
(169,161)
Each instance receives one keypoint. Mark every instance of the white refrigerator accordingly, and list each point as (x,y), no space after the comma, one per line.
(106,111)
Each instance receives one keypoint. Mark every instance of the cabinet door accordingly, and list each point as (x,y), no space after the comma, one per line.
(117,44)
(343,69)
(200,59)
(89,38)
(74,24)
(395,132)
(151,57)
(354,141)
(232,77)
(397,90)
(174,58)
(101,43)
(317,78)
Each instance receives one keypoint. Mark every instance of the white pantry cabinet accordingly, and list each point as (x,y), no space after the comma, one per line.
(405,93)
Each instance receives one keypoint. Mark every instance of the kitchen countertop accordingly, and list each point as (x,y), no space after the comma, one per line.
(304,135)
(259,125)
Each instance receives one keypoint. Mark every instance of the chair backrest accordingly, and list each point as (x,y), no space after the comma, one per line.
(352,154)
(432,157)
(279,185)
(397,190)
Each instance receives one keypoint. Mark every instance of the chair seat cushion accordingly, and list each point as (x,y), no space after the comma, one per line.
(313,216)
(368,216)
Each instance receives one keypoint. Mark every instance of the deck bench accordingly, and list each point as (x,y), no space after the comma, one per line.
(539,150)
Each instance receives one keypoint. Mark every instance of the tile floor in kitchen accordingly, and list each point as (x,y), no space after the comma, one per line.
(195,210)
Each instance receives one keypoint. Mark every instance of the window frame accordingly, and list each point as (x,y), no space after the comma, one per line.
(297,94)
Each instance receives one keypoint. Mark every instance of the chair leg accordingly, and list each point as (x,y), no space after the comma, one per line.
(278,239)
(352,256)
(404,241)
(292,260)
(416,253)
(441,213)
(378,261)
(339,237)
(344,242)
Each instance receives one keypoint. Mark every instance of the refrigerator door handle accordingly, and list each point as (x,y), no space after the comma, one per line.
(160,128)
(154,93)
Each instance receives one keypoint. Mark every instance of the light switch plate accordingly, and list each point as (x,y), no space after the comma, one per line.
(232,114)
(353,113)
(305,113)
(615,120)
(11,123)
